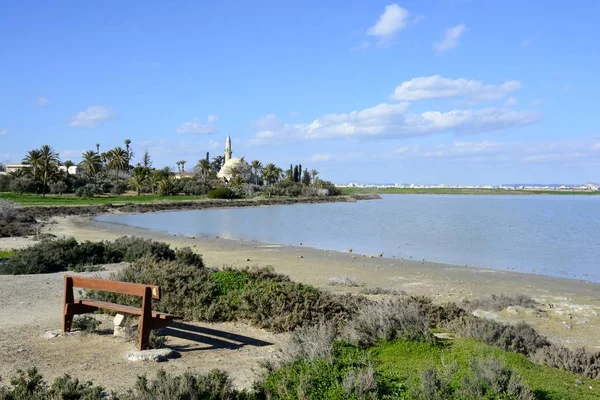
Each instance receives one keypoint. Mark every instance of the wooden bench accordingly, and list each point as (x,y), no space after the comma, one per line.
(148,319)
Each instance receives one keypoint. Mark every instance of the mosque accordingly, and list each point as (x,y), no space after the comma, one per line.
(226,172)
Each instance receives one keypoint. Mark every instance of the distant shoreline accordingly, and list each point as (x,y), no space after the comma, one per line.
(511,192)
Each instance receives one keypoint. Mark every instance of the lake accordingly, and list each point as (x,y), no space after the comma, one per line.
(549,235)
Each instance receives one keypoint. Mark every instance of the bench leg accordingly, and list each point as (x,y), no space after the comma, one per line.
(67,322)
(145,324)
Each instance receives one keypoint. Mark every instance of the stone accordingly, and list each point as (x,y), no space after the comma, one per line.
(120,328)
(156,355)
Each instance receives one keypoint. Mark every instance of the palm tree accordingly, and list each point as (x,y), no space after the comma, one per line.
(129,155)
(146,161)
(90,162)
(313,174)
(154,179)
(68,164)
(256,169)
(34,158)
(203,167)
(182,162)
(136,182)
(49,160)
(178,166)
(117,160)
(269,173)
(103,158)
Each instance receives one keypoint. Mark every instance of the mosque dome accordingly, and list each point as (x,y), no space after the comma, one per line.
(227,169)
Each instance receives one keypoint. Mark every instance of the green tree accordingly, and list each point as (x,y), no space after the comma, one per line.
(313,174)
(49,161)
(34,158)
(90,162)
(306,178)
(138,179)
(146,161)
(117,160)
(256,170)
(154,179)
(203,168)
(128,151)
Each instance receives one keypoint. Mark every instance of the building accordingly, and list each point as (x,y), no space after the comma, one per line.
(232,163)
(72,170)
(15,167)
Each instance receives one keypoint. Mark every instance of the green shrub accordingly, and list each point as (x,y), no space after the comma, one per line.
(579,361)
(67,254)
(85,323)
(15,220)
(520,338)
(437,314)
(188,257)
(230,280)
(30,385)
(215,385)
(221,193)
(6,254)
(88,191)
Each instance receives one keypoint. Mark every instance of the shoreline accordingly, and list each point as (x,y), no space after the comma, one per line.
(569,311)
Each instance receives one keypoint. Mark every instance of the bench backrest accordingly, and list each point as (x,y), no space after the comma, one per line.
(134,289)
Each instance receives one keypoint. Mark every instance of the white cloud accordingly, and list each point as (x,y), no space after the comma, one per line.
(43,101)
(511,102)
(436,86)
(393,120)
(91,117)
(450,39)
(3,131)
(197,127)
(486,151)
(321,157)
(393,20)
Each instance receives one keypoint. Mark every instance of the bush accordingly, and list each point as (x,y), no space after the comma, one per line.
(379,291)
(221,193)
(119,188)
(58,187)
(486,379)
(79,182)
(215,385)
(520,338)
(66,254)
(15,220)
(30,385)
(499,303)
(5,181)
(437,314)
(87,191)
(579,361)
(22,185)
(85,323)
(398,319)
(343,281)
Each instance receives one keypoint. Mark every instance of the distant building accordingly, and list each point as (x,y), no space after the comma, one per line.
(73,169)
(226,172)
(15,167)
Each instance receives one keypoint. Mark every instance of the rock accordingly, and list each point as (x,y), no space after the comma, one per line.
(512,310)
(51,334)
(247,259)
(120,329)
(578,382)
(156,355)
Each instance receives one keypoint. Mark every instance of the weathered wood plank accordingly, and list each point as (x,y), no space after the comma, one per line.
(133,289)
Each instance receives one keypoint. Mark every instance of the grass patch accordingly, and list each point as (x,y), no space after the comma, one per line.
(350,191)
(6,254)
(405,359)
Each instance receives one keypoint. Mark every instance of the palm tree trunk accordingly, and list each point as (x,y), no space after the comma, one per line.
(44,185)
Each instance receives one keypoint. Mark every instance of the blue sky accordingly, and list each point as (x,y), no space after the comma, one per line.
(447,91)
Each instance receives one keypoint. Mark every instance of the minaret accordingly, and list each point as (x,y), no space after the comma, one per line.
(228,149)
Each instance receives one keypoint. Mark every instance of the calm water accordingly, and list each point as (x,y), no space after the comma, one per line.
(550,235)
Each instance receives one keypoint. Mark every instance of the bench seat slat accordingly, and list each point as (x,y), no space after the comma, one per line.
(125,309)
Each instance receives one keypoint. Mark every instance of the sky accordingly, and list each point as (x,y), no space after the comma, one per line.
(432,92)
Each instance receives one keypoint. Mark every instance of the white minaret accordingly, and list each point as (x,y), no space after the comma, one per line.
(228,149)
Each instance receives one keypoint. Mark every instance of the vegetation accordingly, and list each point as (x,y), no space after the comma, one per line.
(67,254)
(6,254)
(499,303)
(110,174)
(85,323)
(14,221)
